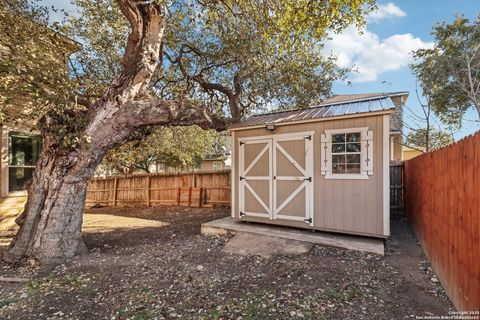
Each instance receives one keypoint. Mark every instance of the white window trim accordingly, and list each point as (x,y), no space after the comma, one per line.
(365,172)
(6,149)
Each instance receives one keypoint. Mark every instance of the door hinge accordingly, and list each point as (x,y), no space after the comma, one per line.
(309,179)
(241,143)
(309,220)
(242,178)
(242,214)
(308,138)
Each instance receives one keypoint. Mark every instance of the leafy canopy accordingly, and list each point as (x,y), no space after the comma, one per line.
(174,147)
(431,140)
(32,63)
(233,56)
(449,73)
(245,56)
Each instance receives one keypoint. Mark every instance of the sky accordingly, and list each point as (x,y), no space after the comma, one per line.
(381,54)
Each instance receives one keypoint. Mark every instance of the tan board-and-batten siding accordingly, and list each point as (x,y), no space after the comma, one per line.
(349,206)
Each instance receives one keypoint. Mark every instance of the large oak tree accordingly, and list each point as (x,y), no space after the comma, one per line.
(81,126)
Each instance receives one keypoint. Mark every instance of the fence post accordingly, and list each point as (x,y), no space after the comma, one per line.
(148,191)
(178,196)
(189,196)
(115,192)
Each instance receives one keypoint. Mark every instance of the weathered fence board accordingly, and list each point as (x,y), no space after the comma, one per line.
(442,193)
(397,205)
(183,189)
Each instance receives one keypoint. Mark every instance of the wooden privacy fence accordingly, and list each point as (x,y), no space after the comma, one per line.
(183,189)
(443,205)
(397,204)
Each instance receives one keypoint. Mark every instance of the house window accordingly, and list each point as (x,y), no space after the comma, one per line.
(217,166)
(161,167)
(347,153)
(23,153)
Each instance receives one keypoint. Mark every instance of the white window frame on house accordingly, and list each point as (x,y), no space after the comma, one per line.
(217,162)
(366,154)
(161,167)
(17,134)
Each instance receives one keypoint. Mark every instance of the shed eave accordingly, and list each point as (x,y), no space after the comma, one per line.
(347,116)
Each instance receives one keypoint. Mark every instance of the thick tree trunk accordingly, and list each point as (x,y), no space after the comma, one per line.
(50,225)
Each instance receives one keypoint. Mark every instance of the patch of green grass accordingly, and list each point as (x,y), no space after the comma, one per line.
(122,313)
(250,307)
(139,313)
(140,299)
(89,291)
(79,283)
(34,285)
(217,313)
(6,302)
(310,307)
(352,291)
(333,294)
(74,281)
(265,305)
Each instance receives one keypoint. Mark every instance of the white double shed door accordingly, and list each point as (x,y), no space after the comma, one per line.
(276,177)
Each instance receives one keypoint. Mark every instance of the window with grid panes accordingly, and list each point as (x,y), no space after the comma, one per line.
(346,153)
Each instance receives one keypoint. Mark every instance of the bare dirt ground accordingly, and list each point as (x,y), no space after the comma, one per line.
(171,271)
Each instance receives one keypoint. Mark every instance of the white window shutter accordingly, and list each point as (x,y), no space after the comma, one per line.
(367,153)
(326,153)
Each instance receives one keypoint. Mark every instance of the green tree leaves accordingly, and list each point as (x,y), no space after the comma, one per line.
(234,57)
(449,73)
(174,147)
(434,138)
(32,63)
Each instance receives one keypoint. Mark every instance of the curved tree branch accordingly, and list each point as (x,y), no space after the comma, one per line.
(143,45)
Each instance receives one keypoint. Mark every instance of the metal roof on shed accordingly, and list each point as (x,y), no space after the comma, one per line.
(335,109)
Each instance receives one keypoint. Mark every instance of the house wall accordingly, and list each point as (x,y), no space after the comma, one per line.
(350,206)
(208,164)
(410,153)
(397,151)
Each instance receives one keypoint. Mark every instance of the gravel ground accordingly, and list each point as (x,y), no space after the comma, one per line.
(174,272)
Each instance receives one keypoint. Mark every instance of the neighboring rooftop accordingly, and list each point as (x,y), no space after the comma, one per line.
(336,106)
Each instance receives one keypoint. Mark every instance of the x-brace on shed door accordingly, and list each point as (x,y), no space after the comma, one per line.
(293,177)
(276,177)
(256,178)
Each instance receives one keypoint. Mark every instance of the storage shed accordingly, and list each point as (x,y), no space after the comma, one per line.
(325,167)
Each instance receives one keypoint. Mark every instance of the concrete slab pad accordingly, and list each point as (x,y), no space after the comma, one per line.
(257,244)
(231,226)
(106,223)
